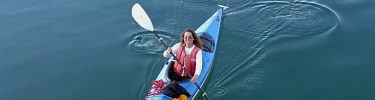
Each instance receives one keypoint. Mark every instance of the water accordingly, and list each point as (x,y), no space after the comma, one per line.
(267,50)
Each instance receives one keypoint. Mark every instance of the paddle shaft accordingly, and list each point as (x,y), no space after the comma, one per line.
(183,67)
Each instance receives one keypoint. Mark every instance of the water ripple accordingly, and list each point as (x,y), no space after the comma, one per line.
(285,18)
(147,42)
(219,91)
(300,18)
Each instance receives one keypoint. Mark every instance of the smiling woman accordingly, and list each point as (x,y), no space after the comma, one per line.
(189,35)
(189,50)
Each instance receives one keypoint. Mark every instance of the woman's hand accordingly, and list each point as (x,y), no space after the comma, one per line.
(169,50)
(194,78)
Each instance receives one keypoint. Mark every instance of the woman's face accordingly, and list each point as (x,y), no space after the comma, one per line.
(188,38)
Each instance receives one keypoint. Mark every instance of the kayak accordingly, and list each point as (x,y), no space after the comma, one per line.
(208,33)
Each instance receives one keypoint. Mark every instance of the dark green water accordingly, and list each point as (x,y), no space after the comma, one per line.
(267,50)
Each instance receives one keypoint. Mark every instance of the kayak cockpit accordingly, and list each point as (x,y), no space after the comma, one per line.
(207,41)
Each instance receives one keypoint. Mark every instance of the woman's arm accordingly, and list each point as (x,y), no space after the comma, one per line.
(174,49)
(198,66)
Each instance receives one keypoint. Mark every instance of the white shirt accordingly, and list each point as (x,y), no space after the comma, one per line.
(198,62)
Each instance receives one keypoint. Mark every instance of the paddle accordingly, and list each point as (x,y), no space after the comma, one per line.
(141,17)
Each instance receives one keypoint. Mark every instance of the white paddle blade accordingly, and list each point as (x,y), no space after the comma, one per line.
(141,17)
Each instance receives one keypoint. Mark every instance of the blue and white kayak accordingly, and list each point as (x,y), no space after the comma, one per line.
(208,33)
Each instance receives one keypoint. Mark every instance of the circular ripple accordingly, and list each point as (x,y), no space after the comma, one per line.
(283,18)
(301,17)
(220,91)
(148,43)
(252,82)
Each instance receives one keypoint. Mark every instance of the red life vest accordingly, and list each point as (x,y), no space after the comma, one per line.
(187,60)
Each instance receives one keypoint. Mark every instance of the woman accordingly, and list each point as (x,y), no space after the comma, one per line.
(189,53)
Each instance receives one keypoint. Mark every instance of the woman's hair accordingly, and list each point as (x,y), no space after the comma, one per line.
(196,41)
